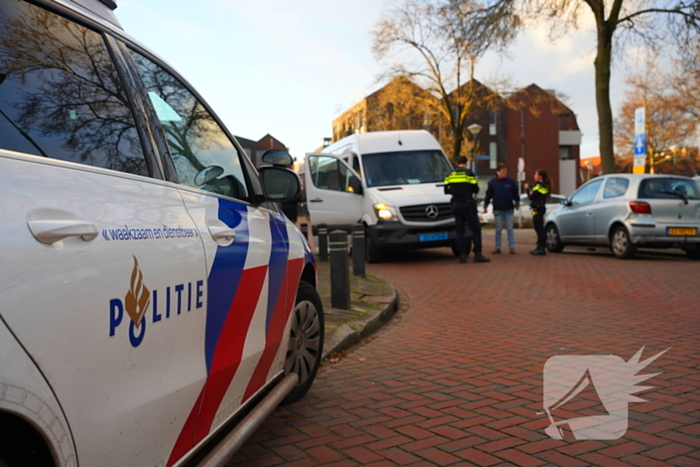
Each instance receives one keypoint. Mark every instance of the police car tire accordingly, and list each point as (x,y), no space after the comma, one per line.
(308,298)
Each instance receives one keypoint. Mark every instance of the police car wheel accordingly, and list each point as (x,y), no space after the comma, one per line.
(306,340)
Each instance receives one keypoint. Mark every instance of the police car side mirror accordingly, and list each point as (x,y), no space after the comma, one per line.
(280,184)
(566,202)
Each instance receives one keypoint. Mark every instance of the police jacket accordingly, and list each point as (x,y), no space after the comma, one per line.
(538,197)
(503,192)
(462,185)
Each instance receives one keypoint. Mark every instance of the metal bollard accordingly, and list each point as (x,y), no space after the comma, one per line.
(340,275)
(323,242)
(358,250)
(304,227)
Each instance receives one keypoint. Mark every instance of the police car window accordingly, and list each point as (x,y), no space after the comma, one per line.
(587,193)
(615,187)
(203,155)
(60,95)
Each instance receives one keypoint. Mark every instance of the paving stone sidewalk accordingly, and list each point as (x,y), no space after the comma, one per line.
(373,302)
(457,379)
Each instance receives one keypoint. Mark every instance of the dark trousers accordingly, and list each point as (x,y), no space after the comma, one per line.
(538,221)
(467,213)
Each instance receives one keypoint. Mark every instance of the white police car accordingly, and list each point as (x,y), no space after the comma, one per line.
(150,289)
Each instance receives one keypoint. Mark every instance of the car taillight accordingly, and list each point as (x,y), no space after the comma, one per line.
(640,207)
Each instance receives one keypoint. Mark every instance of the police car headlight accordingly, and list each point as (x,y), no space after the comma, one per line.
(385,212)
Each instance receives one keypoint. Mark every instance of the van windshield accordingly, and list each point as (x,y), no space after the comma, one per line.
(405,168)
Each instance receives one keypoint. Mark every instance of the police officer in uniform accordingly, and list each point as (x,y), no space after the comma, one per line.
(462,185)
(538,199)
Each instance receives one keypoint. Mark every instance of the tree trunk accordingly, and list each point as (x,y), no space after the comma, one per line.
(456,143)
(602,94)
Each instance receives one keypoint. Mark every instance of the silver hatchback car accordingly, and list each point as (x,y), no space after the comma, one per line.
(629,211)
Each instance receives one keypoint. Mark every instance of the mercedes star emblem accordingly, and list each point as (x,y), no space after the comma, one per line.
(431,211)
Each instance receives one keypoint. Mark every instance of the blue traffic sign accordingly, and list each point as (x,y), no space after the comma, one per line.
(640,145)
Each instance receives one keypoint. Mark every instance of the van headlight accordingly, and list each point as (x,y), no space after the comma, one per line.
(384,212)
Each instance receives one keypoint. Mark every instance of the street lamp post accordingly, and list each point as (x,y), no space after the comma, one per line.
(673,149)
(474,129)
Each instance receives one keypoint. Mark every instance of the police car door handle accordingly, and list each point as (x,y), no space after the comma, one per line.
(51,231)
(221,231)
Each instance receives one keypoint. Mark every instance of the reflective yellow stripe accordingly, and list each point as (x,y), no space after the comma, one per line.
(459,177)
(540,189)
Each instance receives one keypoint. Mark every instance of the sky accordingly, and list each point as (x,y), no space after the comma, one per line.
(290,68)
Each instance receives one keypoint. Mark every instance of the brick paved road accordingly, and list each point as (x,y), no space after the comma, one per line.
(457,379)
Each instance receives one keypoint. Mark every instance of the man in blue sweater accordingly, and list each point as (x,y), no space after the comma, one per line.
(504,193)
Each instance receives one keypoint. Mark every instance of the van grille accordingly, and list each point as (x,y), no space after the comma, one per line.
(418,213)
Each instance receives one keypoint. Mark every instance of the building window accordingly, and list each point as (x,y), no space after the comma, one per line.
(565,122)
(492,122)
(493,160)
(564,153)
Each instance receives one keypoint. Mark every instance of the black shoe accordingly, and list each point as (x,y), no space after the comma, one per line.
(479,258)
(538,252)
(462,258)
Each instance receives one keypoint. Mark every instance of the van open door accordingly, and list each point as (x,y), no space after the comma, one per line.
(334,192)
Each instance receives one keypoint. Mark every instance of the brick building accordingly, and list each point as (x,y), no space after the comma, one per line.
(255,149)
(531,123)
(544,132)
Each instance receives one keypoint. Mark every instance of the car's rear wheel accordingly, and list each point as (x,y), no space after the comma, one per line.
(693,253)
(554,243)
(621,244)
(306,340)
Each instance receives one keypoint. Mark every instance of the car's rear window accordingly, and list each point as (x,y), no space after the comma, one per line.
(668,188)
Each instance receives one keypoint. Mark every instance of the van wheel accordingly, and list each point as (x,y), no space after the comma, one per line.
(372,253)
(306,340)
(621,245)
(554,244)
(467,245)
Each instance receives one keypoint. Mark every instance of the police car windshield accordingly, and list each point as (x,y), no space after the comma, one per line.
(405,167)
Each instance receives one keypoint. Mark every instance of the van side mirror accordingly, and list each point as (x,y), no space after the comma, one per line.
(280,184)
(355,185)
(277,158)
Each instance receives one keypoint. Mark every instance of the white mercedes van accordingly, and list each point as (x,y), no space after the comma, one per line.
(390,181)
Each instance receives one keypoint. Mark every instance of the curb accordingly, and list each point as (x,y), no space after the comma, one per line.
(345,336)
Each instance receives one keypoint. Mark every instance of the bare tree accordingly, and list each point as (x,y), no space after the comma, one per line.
(672,116)
(433,42)
(648,21)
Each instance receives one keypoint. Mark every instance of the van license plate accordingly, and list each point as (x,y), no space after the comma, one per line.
(681,231)
(433,237)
